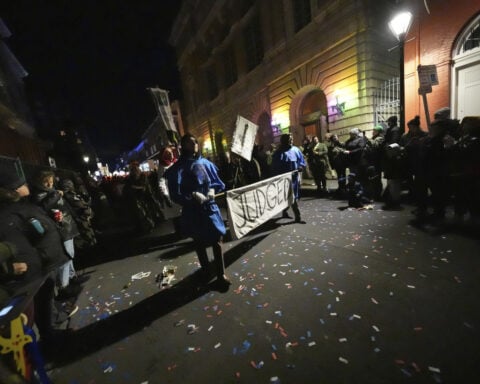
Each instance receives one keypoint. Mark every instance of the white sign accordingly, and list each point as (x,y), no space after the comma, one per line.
(427,75)
(254,204)
(244,137)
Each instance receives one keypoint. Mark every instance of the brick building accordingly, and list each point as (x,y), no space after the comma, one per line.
(18,136)
(304,66)
(444,33)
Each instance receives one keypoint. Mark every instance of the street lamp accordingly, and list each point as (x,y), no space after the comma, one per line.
(86,159)
(399,25)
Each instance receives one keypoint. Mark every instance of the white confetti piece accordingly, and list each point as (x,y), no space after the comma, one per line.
(312,343)
(434,369)
(376,328)
(342,340)
(343,360)
(374,301)
(217,345)
(411,286)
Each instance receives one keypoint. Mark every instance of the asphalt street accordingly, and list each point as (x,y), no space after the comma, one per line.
(349,297)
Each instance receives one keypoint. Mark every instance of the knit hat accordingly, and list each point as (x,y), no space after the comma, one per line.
(355,131)
(442,113)
(67,185)
(378,127)
(11,177)
(414,121)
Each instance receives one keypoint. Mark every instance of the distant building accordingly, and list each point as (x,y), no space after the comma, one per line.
(18,136)
(302,66)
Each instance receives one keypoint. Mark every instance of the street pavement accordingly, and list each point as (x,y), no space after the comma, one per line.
(352,296)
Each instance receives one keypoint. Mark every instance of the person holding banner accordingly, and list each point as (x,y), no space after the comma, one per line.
(193,182)
(288,158)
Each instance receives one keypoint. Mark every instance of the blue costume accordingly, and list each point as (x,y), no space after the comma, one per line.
(203,222)
(287,160)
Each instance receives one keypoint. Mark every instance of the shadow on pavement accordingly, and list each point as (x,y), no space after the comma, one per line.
(80,343)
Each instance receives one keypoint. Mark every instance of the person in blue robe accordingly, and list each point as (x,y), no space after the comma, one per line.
(193,182)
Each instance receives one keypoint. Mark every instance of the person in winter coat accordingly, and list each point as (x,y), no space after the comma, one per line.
(319,164)
(338,161)
(55,205)
(193,182)
(393,165)
(285,159)
(354,147)
(373,156)
(82,214)
(144,207)
(31,249)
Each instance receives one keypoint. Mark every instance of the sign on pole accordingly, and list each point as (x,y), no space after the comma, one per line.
(244,137)
(160,98)
(427,76)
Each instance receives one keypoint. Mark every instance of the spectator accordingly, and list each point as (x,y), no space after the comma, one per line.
(51,200)
(31,250)
(373,156)
(319,165)
(143,207)
(82,214)
(392,165)
(337,157)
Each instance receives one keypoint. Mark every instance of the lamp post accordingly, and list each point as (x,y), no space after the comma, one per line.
(399,25)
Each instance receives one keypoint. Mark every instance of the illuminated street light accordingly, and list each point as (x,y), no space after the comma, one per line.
(399,26)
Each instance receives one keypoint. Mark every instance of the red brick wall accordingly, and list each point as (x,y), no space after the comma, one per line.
(430,41)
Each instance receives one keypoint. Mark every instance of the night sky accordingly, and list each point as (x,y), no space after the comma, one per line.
(95,59)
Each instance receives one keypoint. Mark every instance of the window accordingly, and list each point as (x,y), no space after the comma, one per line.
(230,63)
(473,38)
(212,85)
(302,14)
(253,44)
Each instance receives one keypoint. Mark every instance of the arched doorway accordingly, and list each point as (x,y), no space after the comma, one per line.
(313,112)
(466,72)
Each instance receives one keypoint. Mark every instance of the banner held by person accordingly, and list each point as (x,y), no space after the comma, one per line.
(244,138)
(254,204)
(162,103)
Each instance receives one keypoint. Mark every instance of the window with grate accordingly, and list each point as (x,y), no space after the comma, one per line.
(253,44)
(302,14)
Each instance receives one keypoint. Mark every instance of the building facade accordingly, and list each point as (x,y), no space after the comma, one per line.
(445,34)
(18,136)
(302,66)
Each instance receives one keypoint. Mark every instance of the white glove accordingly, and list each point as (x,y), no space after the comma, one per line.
(199,197)
(211,194)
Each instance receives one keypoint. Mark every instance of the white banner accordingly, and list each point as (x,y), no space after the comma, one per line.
(160,98)
(244,137)
(254,204)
